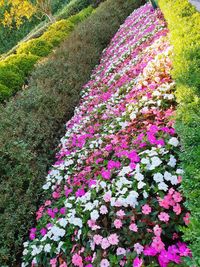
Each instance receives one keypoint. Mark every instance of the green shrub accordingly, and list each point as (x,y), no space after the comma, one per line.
(32,124)
(23,62)
(38,47)
(5,92)
(184,24)
(11,79)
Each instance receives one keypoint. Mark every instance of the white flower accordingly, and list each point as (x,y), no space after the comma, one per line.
(179,171)
(141,185)
(167,176)
(78,222)
(158,177)
(25,252)
(47,248)
(172,161)
(63,222)
(156,161)
(139,176)
(103,184)
(68,162)
(94,215)
(163,186)
(46,186)
(173,141)
(89,206)
(174,180)
(145,194)
(145,161)
(57,232)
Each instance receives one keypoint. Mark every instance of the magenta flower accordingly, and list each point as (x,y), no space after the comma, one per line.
(106,174)
(137,262)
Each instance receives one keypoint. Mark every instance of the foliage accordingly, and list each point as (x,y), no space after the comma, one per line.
(15,11)
(184,24)
(30,52)
(5,92)
(31,124)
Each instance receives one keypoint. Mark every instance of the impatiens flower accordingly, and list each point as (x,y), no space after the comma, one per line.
(186,218)
(150,251)
(77,260)
(163,216)
(133,227)
(43,231)
(97,239)
(94,215)
(117,223)
(105,243)
(173,141)
(177,209)
(137,262)
(120,213)
(106,174)
(146,209)
(157,230)
(53,262)
(107,197)
(138,248)
(113,239)
(103,209)
(121,251)
(104,263)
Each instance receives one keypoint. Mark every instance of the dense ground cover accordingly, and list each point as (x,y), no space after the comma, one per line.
(14,70)
(31,124)
(113,195)
(184,24)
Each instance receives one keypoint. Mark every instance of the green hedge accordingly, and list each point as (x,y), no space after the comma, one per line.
(31,51)
(32,124)
(184,25)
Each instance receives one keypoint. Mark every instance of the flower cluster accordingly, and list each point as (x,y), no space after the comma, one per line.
(115,198)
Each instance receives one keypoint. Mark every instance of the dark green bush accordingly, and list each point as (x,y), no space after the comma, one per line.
(32,123)
(5,92)
(184,25)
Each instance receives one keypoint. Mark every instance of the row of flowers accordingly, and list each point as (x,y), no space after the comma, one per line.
(115,198)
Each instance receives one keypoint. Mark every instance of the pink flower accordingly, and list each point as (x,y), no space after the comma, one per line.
(177,197)
(137,262)
(80,192)
(77,260)
(177,209)
(186,218)
(103,209)
(120,213)
(146,209)
(158,244)
(150,251)
(117,223)
(121,251)
(113,239)
(53,262)
(64,264)
(107,197)
(133,227)
(157,230)
(97,239)
(105,243)
(138,248)
(104,263)
(106,174)
(163,216)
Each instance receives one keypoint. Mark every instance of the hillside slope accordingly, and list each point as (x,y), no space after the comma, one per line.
(114,189)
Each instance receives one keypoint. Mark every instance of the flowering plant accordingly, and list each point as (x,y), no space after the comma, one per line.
(115,185)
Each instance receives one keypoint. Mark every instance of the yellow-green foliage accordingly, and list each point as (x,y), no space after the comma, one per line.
(184,25)
(21,64)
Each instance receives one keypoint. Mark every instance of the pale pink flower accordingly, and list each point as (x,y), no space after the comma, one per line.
(113,239)
(121,251)
(133,227)
(104,263)
(146,209)
(107,197)
(103,209)
(163,216)
(105,243)
(117,223)
(186,218)
(157,230)
(120,213)
(138,248)
(97,239)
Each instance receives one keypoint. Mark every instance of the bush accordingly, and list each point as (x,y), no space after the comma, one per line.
(184,24)
(5,92)
(11,79)
(38,47)
(23,62)
(31,124)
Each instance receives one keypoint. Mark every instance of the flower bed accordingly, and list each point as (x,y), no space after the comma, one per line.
(115,198)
